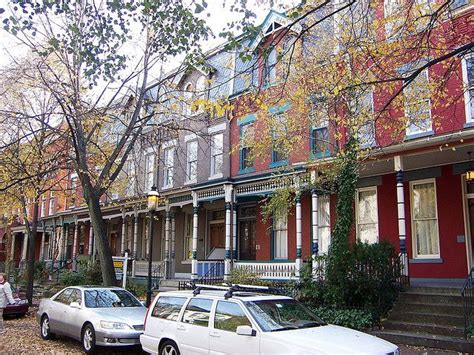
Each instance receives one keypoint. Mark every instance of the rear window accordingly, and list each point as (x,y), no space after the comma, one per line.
(168,307)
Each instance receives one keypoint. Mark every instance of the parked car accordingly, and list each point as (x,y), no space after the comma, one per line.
(105,316)
(18,309)
(240,320)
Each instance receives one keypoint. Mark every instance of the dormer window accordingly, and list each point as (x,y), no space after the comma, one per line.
(187,100)
(272,28)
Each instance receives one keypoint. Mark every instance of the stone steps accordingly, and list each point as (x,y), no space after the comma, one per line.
(429,317)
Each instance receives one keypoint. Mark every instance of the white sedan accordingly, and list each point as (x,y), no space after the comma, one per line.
(241,321)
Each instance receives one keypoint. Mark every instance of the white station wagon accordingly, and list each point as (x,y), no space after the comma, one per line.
(241,320)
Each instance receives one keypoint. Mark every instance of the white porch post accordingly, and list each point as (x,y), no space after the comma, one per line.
(167,240)
(228,189)
(299,260)
(173,244)
(91,239)
(12,247)
(135,234)
(194,262)
(74,245)
(314,228)
(65,234)
(25,246)
(41,256)
(124,231)
(401,214)
(234,230)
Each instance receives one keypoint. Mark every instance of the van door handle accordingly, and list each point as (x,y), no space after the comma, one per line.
(181,327)
(215,334)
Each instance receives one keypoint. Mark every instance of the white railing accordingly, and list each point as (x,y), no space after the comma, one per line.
(140,267)
(269,270)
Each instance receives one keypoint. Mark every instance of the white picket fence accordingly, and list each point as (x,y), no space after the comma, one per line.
(269,270)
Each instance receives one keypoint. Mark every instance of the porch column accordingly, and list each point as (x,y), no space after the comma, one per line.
(124,231)
(135,234)
(74,245)
(25,246)
(167,240)
(314,228)
(299,260)
(65,235)
(401,223)
(194,262)
(228,212)
(41,256)
(53,243)
(234,230)
(173,244)
(91,239)
(12,247)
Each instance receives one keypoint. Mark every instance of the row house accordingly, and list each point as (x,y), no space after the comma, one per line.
(413,193)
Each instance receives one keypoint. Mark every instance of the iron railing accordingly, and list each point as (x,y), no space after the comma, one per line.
(157,274)
(214,276)
(467,294)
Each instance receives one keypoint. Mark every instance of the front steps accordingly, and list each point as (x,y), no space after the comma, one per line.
(430,317)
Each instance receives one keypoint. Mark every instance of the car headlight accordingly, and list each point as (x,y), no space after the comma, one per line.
(113,325)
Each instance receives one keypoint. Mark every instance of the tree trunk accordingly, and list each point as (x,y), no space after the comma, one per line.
(101,239)
(31,253)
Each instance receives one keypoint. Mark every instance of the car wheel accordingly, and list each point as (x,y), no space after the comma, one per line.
(45,328)
(169,348)
(88,339)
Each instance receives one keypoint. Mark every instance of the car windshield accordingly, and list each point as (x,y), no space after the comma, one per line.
(110,298)
(282,314)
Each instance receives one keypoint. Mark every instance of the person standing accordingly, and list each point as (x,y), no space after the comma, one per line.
(6,297)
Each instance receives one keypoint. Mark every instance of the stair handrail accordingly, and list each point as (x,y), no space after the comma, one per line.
(213,276)
(467,294)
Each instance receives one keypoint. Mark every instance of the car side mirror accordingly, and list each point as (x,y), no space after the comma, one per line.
(246,330)
(75,305)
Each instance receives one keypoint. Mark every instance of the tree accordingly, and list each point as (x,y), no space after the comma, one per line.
(98,83)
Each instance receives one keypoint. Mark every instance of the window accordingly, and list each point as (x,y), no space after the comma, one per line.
(75,296)
(319,132)
(197,312)
(43,206)
(229,316)
(73,192)
(455,4)
(363,111)
(367,215)
(269,68)
(280,237)
(217,153)
(246,143)
(63,297)
(187,99)
(324,224)
(394,19)
(468,75)
(279,133)
(418,105)
(424,218)
(191,161)
(188,237)
(168,307)
(320,142)
(131,178)
(149,170)
(169,167)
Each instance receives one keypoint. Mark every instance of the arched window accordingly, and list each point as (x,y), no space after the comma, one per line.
(187,99)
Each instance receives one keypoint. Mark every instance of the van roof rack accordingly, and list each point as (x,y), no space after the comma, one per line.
(234,288)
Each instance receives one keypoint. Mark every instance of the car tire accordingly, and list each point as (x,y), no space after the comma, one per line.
(88,339)
(45,328)
(169,347)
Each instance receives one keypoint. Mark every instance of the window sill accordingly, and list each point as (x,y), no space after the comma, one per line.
(319,155)
(190,182)
(216,176)
(278,164)
(469,124)
(246,171)
(426,261)
(418,135)
(186,262)
(166,187)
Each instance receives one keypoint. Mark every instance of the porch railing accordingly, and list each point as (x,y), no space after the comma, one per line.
(140,268)
(269,270)
(213,276)
(467,294)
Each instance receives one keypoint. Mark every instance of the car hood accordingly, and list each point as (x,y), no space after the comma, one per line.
(129,315)
(334,339)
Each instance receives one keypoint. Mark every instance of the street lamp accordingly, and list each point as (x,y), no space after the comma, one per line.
(153,199)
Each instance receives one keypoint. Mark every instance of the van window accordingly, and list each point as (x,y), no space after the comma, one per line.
(168,307)
(229,316)
(197,312)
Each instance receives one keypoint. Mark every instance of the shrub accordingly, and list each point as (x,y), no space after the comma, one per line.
(88,273)
(137,289)
(72,278)
(352,318)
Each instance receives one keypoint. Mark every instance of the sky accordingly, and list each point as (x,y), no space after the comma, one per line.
(219,16)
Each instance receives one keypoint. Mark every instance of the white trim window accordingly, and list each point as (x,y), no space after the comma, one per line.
(217,154)
(366,131)
(269,66)
(131,178)
(149,170)
(324,224)
(418,105)
(280,237)
(191,161)
(424,219)
(367,226)
(468,78)
(187,100)
(43,206)
(51,203)
(168,173)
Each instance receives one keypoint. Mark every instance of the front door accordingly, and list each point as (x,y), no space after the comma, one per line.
(217,236)
(247,239)
(469,220)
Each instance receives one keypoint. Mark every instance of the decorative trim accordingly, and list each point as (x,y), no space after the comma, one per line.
(278,164)
(247,170)
(190,137)
(247,119)
(279,108)
(169,144)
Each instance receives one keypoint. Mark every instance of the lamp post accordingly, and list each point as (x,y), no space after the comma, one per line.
(153,199)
